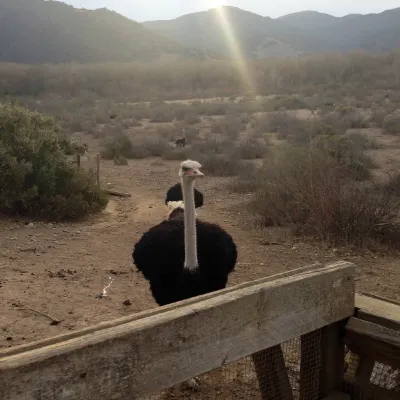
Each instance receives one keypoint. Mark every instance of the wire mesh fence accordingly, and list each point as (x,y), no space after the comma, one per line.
(285,372)
(275,371)
(362,386)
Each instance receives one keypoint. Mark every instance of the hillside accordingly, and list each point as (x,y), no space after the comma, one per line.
(51,32)
(290,35)
(255,35)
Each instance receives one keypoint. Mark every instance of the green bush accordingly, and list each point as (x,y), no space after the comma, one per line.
(36,178)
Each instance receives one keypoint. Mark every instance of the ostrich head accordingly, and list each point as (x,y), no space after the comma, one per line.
(190,170)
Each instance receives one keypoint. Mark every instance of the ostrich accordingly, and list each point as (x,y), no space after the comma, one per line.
(112,116)
(181,142)
(174,193)
(181,258)
(176,210)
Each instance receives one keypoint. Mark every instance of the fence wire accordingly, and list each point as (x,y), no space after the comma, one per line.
(274,371)
(286,372)
(382,376)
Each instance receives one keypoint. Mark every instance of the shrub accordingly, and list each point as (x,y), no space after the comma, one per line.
(347,153)
(36,177)
(175,154)
(286,102)
(229,126)
(391,123)
(116,146)
(219,164)
(248,180)
(120,160)
(306,190)
(251,149)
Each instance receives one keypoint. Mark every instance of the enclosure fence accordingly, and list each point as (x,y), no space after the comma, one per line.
(281,337)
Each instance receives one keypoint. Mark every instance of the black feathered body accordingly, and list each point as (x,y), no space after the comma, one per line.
(160,256)
(175,194)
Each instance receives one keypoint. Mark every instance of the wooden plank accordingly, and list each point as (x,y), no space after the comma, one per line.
(378,311)
(364,369)
(117,193)
(332,358)
(310,364)
(375,341)
(272,376)
(368,391)
(144,356)
(159,310)
(382,298)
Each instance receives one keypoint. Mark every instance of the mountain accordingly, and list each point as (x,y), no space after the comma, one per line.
(38,31)
(308,19)
(254,35)
(290,35)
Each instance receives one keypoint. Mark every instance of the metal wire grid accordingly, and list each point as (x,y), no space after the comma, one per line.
(278,370)
(382,376)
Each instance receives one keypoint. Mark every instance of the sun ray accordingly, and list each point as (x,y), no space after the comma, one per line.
(232,42)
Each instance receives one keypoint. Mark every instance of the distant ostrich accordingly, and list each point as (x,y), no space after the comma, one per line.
(181,258)
(113,116)
(181,142)
(174,193)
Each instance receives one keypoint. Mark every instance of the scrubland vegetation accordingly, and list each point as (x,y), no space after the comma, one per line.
(293,138)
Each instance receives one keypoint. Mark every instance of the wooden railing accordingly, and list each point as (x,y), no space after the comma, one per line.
(138,355)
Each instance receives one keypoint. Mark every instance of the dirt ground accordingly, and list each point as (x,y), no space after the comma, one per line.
(58,271)
(52,275)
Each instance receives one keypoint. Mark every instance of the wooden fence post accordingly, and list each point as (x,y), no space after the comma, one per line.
(98,169)
(78,160)
(272,376)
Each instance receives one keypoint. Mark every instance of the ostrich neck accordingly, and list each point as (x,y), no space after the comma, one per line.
(191,262)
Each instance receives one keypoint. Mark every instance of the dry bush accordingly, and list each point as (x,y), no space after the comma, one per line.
(120,160)
(175,154)
(250,149)
(285,102)
(349,154)
(248,179)
(137,148)
(229,126)
(391,123)
(168,132)
(306,190)
(219,164)
(362,141)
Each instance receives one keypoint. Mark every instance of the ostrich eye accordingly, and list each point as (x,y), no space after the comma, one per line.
(185,169)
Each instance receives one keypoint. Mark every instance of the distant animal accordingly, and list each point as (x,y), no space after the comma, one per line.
(174,193)
(113,116)
(181,142)
(184,257)
(328,104)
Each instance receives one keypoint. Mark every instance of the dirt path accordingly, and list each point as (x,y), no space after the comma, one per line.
(61,269)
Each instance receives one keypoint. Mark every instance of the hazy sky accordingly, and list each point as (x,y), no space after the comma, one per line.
(144,10)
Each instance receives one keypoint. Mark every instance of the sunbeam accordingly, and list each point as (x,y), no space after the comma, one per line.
(232,43)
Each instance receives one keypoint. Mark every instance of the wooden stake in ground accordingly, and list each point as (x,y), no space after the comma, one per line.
(98,169)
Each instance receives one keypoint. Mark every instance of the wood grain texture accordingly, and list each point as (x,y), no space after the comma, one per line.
(132,359)
(375,341)
(378,311)
(159,310)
